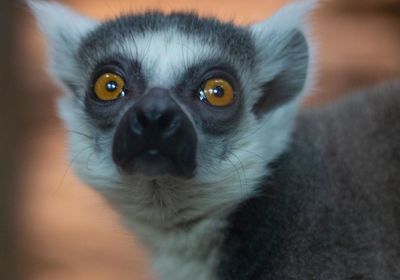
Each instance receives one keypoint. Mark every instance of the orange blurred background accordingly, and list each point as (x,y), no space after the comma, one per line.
(65,230)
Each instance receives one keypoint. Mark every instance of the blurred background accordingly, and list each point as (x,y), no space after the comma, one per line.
(64,230)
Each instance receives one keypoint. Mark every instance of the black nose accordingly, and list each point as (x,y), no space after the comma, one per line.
(156,137)
(155,116)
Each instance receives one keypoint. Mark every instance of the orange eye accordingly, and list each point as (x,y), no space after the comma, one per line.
(218,92)
(109,87)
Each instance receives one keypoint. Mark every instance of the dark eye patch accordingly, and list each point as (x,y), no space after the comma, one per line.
(211,119)
(104,114)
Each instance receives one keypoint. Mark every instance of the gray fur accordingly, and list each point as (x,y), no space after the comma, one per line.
(331,208)
(289,81)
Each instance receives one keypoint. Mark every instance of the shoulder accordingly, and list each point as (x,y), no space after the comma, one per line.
(338,156)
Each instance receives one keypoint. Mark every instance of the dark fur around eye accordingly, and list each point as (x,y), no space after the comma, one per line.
(105,113)
(211,119)
(197,75)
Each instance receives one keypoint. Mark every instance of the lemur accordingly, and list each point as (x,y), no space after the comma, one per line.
(192,128)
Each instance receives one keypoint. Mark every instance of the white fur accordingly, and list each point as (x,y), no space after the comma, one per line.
(180,221)
(163,54)
(63,29)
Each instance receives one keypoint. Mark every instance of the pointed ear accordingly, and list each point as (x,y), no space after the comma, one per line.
(284,56)
(63,29)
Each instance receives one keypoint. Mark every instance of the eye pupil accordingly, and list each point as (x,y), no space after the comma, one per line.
(112,86)
(218,91)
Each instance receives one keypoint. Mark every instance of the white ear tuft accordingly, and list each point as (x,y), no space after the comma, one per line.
(291,16)
(60,24)
(284,55)
(63,29)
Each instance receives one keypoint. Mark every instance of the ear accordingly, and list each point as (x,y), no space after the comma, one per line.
(283,56)
(64,30)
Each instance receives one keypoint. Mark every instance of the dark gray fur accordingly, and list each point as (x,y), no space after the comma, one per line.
(232,39)
(331,209)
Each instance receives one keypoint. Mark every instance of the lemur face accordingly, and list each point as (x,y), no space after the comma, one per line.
(170,97)
(173,117)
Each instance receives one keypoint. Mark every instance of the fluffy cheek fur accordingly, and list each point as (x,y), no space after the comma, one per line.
(220,181)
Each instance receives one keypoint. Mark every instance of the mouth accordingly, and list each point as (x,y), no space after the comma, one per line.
(153,164)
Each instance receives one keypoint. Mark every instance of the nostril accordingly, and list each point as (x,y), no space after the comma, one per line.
(165,120)
(142,119)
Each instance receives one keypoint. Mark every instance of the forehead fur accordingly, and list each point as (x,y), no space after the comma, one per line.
(233,40)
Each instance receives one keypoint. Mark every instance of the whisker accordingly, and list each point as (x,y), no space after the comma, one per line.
(252,153)
(69,168)
(80,133)
(251,133)
(243,171)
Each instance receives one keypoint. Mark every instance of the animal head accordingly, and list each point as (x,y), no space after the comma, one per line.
(174,117)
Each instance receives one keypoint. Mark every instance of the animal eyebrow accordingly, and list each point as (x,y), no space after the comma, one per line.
(200,68)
